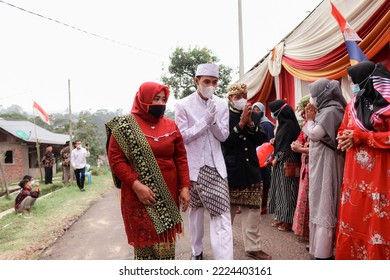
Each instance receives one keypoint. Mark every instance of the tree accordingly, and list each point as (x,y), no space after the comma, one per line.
(182,68)
(87,132)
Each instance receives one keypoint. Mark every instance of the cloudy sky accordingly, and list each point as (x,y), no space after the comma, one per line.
(131,44)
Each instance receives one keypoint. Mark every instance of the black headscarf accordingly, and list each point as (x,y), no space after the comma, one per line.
(362,74)
(288,127)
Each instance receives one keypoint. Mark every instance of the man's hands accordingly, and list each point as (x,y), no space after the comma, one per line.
(246,116)
(211,111)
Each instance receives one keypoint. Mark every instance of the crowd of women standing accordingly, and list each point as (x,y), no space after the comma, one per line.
(342,204)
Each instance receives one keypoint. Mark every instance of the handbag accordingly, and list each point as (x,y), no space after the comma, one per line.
(291,169)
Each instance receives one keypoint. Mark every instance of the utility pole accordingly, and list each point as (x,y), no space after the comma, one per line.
(37,146)
(240,39)
(70,119)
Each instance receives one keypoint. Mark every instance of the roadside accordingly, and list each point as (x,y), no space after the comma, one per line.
(99,235)
(25,236)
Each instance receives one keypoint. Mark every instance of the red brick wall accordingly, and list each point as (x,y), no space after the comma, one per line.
(16,170)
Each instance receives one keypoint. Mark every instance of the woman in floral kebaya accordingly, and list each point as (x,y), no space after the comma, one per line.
(364,217)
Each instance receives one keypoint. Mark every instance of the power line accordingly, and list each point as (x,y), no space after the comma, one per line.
(82,30)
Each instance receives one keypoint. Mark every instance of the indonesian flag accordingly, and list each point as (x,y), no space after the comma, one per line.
(44,116)
(356,55)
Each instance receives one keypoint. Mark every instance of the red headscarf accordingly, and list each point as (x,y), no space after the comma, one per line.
(144,97)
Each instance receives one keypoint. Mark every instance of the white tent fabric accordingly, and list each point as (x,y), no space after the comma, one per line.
(314,38)
(320,32)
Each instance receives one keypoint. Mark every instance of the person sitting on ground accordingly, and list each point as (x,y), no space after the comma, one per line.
(27,197)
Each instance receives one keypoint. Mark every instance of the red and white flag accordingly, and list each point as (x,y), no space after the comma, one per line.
(346,29)
(44,116)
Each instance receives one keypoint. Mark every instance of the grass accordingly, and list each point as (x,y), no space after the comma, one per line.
(7,203)
(25,236)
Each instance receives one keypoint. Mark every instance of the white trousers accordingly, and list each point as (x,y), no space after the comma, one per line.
(250,225)
(221,234)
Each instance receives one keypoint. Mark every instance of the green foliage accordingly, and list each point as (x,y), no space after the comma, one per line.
(13,116)
(180,78)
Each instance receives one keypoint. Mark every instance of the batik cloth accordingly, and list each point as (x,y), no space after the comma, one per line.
(210,191)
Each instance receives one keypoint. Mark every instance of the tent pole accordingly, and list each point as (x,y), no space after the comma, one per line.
(240,40)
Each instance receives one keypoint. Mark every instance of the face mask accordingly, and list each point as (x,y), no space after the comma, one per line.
(78,146)
(207,92)
(275,114)
(239,104)
(156,111)
(356,90)
(32,183)
(313,101)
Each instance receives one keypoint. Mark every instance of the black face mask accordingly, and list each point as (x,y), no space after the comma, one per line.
(256,117)
(156,111)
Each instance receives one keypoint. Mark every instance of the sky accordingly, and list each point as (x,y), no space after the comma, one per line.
(39,56)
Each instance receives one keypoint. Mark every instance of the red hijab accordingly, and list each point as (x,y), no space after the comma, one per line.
(144,98)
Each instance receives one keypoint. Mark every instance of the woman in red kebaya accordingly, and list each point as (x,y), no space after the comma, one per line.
(364,217)
(149,162)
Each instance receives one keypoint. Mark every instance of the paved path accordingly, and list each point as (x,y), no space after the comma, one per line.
(99,235)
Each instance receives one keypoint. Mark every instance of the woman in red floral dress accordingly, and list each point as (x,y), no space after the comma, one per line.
(364,217)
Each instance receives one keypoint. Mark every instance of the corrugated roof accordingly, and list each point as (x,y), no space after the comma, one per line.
(24,130)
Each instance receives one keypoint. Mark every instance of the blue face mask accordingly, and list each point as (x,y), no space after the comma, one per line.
(356,90)
(275,114)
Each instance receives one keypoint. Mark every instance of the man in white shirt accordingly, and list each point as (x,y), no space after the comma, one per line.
(78,160)
(203,120)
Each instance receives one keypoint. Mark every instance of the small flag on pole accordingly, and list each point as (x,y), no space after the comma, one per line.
(356,55)
(44,116)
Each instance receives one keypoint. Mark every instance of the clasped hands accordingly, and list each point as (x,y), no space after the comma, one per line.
(345,140)
(296,146)
(246,116)
(310,112)
(211,111)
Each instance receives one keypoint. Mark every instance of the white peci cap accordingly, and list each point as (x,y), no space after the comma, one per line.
(207,69)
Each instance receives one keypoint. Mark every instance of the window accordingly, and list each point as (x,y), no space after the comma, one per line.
(8,157)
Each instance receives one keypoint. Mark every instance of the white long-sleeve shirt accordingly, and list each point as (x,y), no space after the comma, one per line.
(202,141)
(78,158)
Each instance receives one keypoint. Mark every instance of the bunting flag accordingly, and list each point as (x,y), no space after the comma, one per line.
(350,37)
(44,116)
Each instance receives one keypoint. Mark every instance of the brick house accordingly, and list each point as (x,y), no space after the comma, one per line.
(18,144)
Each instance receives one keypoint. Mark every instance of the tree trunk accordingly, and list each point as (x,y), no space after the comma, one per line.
(4,184)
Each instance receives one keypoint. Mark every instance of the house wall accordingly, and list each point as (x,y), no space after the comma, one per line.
(16,170)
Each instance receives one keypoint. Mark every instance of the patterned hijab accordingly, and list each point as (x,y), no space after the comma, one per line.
(288,127)
(144,98)
(375,100)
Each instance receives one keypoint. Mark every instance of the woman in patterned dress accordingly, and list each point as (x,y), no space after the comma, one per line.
(364,219)
(301,145)
(284,190)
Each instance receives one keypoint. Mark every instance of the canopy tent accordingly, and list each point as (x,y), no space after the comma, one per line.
(315,49)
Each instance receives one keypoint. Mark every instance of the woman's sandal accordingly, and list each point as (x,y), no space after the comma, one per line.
(276,224)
